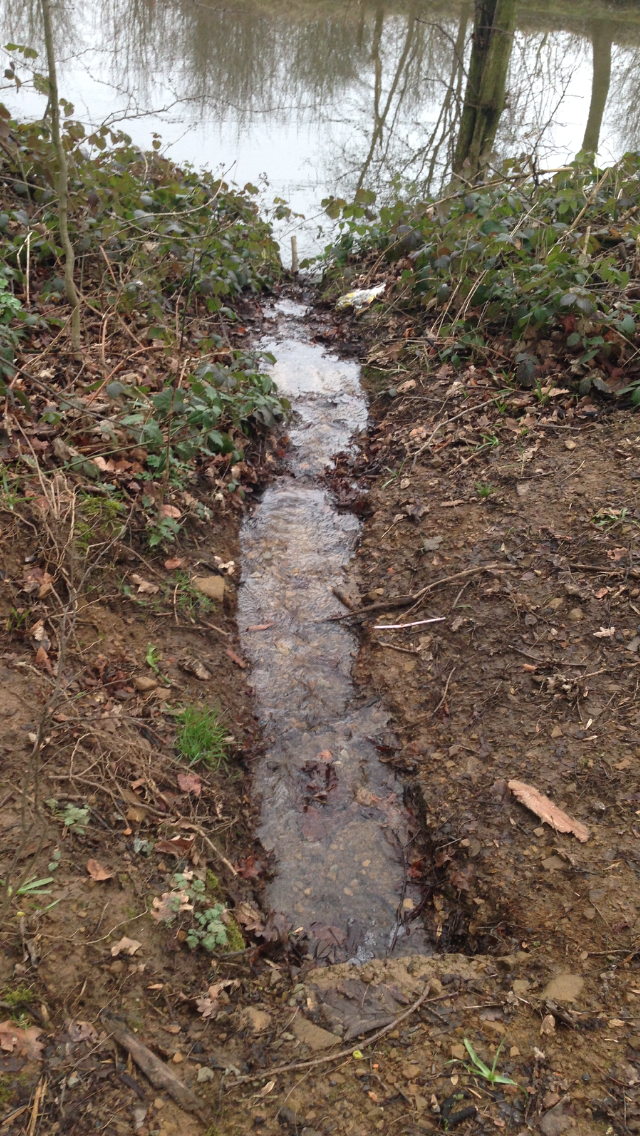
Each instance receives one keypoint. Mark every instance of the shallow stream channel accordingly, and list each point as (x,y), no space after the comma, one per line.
(332,812)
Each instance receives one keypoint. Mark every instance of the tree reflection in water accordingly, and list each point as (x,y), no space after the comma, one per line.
(348,92)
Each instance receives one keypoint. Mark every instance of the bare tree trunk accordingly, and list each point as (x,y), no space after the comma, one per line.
(63,192)
(602,40)
(485,94)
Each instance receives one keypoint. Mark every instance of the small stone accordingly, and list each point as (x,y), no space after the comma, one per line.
(514,1051)
(554,1123)
(552,863)
(575,615)
(259,1020)
(144,683)
(205,1074)
(493,1028)
(458,1052)
(555,603)
(521,985)
(158,1103)
(72,1080)
(556,731)
(548,1025)
(312,1035)
(634,1043)
(564,988)
(410,1072)
(435,986)
(570,444)
(210,586)
(177,1058)
(590,913)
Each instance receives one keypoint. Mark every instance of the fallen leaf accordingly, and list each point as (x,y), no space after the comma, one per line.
(125,946)
(249,868)
(605,633)
(171,903)
(97,872)
(266,1089)
(178,846)
(42,659)
(616,553)
(169,511)
(601,593)
(547,811)
(325,755)
(144,586)
(207,1005)
(81,1031)
(26,1040)
(260,626)
(250,918)
(174,562)
(236,659)
(190,783)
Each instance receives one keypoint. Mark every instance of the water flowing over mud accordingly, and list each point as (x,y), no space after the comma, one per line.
(332,813)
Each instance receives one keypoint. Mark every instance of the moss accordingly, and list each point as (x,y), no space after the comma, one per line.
(212,881)
(235,942)
(15,997)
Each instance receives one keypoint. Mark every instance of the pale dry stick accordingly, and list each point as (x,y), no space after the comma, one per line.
(432,713)
(446,421)
(343,1052)
(418,622)
(28,267)
(392,647)
(586,205)
(37,1105)
(403,601)
(216,851)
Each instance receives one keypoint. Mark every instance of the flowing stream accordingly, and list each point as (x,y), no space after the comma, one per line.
(332,812)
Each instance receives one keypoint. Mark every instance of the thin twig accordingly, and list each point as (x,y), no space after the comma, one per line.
(343,1052)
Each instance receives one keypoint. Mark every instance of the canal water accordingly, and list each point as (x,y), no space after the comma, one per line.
(332,812)
(307,98)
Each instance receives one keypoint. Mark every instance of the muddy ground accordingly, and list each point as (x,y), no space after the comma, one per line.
(532,675)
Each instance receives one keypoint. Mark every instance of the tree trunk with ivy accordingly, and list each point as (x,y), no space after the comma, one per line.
(602,41)
(62,179)
(485,94)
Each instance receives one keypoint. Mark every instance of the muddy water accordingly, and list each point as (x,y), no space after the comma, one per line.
(332,813)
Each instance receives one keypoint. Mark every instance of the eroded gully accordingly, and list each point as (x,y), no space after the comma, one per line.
(332,812)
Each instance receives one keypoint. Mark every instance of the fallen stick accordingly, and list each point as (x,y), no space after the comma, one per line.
(156,1071)
(343,1052)
(404,601)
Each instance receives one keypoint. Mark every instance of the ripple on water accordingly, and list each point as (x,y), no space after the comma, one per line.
(332,813)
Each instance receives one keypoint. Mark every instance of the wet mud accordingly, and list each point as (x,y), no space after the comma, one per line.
(332,812)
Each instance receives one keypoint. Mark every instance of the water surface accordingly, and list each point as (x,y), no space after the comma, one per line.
(319,96)
(332,813)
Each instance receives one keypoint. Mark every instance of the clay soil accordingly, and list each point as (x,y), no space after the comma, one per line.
(531,675)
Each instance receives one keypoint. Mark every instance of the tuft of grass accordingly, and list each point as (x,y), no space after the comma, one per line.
(484,489)
(203,737)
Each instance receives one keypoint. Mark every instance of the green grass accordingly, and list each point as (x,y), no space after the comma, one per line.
(203,737)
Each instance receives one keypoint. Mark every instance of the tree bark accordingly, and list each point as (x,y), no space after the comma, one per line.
(485,94)
(63,187)
(601,40)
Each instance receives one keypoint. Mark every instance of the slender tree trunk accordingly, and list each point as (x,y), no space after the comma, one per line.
(485,94)
(602,40)
(63,191)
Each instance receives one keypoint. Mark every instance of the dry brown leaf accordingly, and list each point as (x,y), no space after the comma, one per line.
(169,511)
(174,562)
(97,872)
(207,1005)
(178,846)
(144,586)
(26,1040)
(190,783)
(248,916)
(547,811)
(81,1031)
(125,946)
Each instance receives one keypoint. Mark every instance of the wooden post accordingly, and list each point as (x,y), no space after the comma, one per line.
(294,256)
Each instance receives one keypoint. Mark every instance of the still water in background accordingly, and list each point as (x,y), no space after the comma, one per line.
(318,96)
